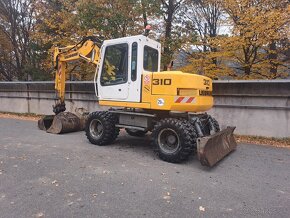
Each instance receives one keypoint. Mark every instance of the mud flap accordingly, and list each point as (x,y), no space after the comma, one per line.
(63,122)
(211,149)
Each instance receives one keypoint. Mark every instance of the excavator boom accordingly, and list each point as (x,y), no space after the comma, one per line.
(87,49)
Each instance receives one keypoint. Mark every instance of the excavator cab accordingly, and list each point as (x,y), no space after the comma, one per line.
(123,62)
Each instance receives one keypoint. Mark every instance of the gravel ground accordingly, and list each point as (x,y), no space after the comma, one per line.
(45,175)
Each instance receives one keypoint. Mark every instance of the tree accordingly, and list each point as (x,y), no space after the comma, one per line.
(204,17)
(171,42)
(112,19)
(65,22)
(256,24)
(7,70)
(16,25)
(245,53)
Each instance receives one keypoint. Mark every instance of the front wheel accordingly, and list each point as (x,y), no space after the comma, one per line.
(216,125)
(174,140)
(100,128)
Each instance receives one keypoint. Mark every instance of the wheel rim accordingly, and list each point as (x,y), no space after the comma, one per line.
(168,140)
(96,128)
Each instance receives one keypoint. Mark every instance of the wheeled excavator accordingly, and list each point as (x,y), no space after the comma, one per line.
(171,105)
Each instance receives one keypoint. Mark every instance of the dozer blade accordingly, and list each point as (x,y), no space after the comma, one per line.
(211,149)
(63,122)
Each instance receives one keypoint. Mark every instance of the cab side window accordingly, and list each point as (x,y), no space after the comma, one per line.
(134,61)
(115,65)
(150,61)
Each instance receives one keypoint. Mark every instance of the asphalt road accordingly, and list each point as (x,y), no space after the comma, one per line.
(45,175)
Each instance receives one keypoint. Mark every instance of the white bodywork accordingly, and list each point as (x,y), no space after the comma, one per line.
(131,90)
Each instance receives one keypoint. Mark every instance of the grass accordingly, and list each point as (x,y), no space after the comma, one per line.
(21,116)
(259,140)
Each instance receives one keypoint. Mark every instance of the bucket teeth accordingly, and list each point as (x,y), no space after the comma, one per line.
(211,149)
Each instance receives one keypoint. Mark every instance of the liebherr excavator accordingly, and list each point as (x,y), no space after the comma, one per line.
(171,105)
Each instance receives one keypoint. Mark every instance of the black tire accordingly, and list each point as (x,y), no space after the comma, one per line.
(193,134)
(206,126)
(137,133)
(216,125)
(174,139)
(100,128)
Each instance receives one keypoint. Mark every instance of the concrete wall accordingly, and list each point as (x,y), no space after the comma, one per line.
(255,107)
(38,97)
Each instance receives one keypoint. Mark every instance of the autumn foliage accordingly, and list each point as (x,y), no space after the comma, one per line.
(256,48)
(239,39)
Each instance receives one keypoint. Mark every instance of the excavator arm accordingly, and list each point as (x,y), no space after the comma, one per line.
(87,49)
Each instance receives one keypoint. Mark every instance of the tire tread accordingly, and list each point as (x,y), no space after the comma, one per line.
(109,121)
(186,134)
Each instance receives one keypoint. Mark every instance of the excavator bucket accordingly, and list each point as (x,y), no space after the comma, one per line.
(211,149)
(63,122)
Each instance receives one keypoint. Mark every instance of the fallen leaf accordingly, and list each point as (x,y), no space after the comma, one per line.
(54,182)
(40,215)
(201,208)
(166,197)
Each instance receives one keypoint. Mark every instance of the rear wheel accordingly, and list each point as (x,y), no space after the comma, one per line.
(174,139)
(135,132)
(100,128)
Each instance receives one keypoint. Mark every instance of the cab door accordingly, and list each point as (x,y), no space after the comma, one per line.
(113,75)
